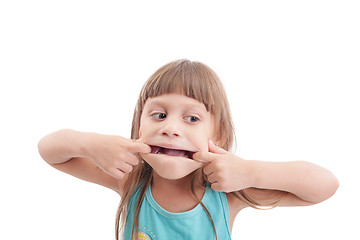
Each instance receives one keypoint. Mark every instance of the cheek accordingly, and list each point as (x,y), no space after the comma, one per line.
(145,129)
(202,139)
(141,132)
(203,144)
(145,135)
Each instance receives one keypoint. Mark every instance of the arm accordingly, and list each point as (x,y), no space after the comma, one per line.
(305,183)
(305,180)
(96,158)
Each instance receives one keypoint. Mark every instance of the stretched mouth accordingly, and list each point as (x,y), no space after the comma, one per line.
(171,152)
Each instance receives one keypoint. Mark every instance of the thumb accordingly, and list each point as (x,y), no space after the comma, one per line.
(215,149)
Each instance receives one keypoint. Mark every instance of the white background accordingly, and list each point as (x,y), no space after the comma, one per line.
(290,69)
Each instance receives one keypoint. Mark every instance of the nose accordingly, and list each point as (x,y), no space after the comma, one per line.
(171,128)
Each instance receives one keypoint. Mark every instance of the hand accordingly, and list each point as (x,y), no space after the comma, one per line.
(225,171)
(115,155)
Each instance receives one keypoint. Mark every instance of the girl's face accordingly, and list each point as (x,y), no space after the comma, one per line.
(175,126)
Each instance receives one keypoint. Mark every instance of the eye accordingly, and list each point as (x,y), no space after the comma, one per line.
(192,119)
(159,115)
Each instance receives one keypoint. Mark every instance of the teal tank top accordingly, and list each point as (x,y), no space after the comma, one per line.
(155,223)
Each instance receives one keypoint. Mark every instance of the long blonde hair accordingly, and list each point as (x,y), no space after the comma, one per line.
(195,80)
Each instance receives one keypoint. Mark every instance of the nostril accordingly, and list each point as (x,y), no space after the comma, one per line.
(171,134)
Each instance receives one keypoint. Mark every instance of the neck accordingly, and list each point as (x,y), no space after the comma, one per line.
(182,184)
(176,195)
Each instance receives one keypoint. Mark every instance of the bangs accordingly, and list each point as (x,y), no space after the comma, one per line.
(191,79)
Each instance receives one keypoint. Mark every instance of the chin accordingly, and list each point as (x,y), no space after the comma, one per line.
(171,167)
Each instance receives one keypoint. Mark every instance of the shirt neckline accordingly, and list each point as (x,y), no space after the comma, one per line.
(180,215)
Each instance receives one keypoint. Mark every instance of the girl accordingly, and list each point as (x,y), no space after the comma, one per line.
(176,176)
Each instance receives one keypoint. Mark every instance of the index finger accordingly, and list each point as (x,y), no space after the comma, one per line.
(136,146)
(205,157)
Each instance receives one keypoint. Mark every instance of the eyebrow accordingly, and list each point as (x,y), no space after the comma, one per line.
(187,105)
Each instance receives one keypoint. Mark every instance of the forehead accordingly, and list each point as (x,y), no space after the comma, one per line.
(176,100)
